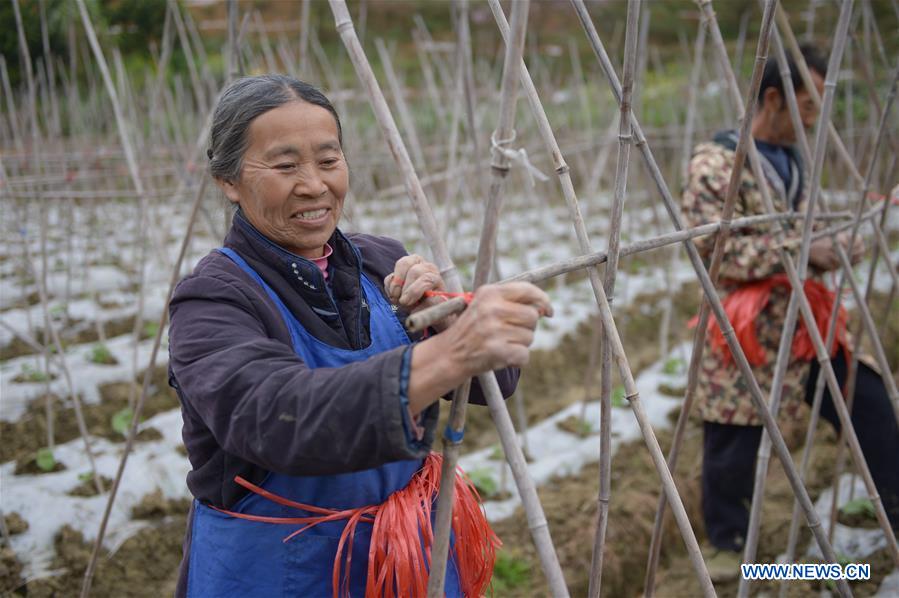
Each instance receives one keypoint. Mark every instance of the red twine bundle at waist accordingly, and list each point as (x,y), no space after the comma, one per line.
(744,305)
(401,526)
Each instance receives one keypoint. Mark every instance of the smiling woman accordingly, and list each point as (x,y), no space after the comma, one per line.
(308,411)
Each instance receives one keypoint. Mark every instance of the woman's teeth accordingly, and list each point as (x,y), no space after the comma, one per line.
(312,214)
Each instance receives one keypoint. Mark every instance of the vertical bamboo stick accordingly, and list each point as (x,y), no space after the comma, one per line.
(536,519)
(631,32)
(304,38)
(402,107)
(486,252)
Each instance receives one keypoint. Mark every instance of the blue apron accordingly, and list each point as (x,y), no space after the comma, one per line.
(230,556)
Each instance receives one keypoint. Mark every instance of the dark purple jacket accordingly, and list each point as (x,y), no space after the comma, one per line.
(250,405)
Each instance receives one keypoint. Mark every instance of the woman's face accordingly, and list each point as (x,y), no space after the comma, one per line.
(294,177)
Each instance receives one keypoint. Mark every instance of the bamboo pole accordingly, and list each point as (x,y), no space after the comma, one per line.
(716,306)
(605,394)
(499,168)
(402,107)
(427,317)
(611,331)
(536,519)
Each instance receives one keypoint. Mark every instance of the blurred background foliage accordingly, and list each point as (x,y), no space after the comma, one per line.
(135,27)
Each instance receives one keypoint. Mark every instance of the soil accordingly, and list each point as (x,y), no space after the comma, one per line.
(15,524)
(87,487)
(23,438)
(570,506)
(78,332)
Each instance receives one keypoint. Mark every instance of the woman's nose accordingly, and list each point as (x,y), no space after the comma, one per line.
(310,183)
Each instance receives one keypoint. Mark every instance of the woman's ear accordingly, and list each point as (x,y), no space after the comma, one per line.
(229,189)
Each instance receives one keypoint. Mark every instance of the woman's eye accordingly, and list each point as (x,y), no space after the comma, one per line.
(329,162)
(285,166)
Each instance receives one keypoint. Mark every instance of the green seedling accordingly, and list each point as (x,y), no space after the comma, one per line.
(510,572)
(101,354)
(673,366)
(483,481)
(121,421)
(45,460)
(497,454)
(618,399)
(32,374)
(85,476)
(150,329)
(859,507)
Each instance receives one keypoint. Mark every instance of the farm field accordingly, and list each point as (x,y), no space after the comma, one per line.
(105,201)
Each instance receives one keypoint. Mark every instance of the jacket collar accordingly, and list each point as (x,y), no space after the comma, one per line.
(300,271)
(293,275)
(791,196)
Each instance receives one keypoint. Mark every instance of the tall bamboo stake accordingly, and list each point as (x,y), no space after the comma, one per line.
(611,331)
(605,396)
(402,107)
(499,169)
(710,292)
(536,519)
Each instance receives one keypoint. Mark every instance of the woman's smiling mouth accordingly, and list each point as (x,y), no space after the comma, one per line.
(312,216)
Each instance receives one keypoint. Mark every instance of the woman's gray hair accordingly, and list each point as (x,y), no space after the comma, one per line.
(244,100)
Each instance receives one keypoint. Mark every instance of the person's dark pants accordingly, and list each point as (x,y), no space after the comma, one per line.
(729,455)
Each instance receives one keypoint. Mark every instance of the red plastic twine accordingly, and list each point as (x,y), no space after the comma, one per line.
(399,556)
(744,305)
(467,295)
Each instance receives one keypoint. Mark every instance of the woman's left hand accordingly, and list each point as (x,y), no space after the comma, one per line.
(412,277)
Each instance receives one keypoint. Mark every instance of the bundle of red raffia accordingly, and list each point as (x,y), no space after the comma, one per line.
(399,556)
(744,305)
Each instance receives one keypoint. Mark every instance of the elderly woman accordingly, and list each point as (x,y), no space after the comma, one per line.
(307,408)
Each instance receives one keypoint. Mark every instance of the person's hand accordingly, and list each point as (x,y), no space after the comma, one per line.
(412,277)
(497,329)
(495,332)
(822,255)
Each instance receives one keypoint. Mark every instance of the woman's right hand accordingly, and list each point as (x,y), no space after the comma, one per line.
(497,329)
(495,332)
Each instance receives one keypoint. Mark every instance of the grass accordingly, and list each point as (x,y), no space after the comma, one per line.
(510,573)
(484,482)
(101,354)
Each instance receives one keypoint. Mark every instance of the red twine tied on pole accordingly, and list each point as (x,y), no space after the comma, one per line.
(399,556)
(467,295)
(744,305)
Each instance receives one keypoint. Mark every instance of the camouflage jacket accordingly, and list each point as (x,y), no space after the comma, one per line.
(750,254)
